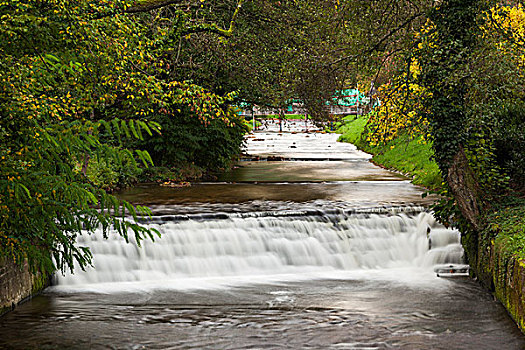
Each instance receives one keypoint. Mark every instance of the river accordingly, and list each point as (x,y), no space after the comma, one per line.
(305,245)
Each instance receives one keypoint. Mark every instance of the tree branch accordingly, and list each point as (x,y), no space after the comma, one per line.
(213,28)
(141,6)
(150,5)
(377,45)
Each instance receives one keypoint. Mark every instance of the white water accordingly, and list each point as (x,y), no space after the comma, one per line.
(253,248)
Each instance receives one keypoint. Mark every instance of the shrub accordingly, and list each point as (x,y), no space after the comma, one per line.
(185,139)
(510,143)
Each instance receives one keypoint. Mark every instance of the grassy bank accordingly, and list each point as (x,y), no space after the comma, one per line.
(402,154)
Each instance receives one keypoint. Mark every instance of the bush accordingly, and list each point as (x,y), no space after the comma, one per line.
(185,139)
(510,143)
(107,174)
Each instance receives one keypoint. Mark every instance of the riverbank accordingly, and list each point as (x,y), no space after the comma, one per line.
(17,284)
(497,254)
(114,179)
(407,156)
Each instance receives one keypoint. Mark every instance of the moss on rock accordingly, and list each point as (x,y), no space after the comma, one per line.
(497,256)
(18,284)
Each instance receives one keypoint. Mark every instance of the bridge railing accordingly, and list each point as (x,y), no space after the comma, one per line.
(332,110)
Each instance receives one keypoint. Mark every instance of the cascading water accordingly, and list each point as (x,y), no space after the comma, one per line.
(264,244)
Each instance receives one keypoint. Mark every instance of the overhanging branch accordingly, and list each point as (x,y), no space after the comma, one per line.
(141,6)
(377,45)
(150,5)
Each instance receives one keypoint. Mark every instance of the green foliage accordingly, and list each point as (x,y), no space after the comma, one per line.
(444,59)
(507,225)
(78,82)
(447,212)
(109,175)
(102,173)
(184,139)
(45,203)
(472,72)
(509,143)
(480,152)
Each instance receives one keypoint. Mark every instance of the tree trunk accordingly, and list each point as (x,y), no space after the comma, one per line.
(465,188)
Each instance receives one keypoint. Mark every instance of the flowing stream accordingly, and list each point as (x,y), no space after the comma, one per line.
(306,245)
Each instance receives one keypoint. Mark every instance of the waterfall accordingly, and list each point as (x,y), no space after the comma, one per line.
(269,245)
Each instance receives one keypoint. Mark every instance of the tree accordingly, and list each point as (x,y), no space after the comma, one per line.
(279,51)
(78,79)
(451,73)
(468,80)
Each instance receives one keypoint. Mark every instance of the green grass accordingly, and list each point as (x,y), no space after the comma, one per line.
(352,130)
(402,154)
(249,125)
(410,157)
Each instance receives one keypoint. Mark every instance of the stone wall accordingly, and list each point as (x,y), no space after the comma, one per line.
(510,287)
(499,271)
(18,284)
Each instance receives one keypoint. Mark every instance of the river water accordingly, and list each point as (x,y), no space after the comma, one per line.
(305,245)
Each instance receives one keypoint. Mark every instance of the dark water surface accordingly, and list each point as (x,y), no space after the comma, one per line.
(308,171)
(355,193)
(367,313)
